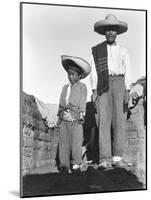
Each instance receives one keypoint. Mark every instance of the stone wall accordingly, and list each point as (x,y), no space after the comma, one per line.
(38,142)
(135,139)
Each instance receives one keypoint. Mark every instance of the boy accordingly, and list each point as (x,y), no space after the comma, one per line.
(71,113)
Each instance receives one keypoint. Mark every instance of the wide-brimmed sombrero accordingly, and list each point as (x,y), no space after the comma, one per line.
(110,20)
(71,61)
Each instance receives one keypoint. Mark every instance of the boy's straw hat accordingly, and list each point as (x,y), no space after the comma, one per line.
(83,65)
(110,20)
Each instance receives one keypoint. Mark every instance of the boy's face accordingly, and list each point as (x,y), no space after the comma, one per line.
(73,76)
(111,33)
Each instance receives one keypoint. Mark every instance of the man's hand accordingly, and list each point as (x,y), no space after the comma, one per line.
(94,96)
(126,96)
(135,95)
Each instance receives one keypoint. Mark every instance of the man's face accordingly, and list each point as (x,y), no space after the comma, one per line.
(111,33)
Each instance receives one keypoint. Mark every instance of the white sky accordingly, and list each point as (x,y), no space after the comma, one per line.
(51,31)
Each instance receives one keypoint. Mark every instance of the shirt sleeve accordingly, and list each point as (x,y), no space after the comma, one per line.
(127,64)
(83,98)
(93,74)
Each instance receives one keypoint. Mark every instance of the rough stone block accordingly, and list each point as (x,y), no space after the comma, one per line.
(49,146)
(35,113)
(142,134)
(36,134)
(37,144)
(42,135)
(42,163)
(53,154)
(28,132)
(43,144)
(27,119)
(42,126)
(130,154)
(138,143)
(27,163)
(27,151)
(139,125)
(132,134)
(129,126)
(48,137)
(28,142)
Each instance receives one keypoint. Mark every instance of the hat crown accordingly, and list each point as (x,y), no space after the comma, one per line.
(111,18)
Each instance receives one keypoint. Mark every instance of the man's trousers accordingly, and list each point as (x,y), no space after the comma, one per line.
(110,117)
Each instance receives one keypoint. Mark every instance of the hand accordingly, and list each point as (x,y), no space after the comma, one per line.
(126,96)
(134,95)
(81,120)
(94,96)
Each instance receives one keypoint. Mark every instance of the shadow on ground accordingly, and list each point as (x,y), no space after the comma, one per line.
(90,181)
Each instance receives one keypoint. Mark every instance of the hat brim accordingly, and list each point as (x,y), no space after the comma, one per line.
(83,65)
(100,26)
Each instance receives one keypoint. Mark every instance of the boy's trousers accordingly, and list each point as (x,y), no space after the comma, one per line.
(70,142)
(110,114)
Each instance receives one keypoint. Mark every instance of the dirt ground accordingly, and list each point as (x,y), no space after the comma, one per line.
(90,180)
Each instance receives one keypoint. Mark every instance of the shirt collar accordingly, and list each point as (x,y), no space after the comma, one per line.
(114,44)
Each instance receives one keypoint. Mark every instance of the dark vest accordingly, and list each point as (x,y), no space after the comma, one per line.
(100,58)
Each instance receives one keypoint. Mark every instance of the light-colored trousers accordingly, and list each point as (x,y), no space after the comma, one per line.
(70,142)
(110,116)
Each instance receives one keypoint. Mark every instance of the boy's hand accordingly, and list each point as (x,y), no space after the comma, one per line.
(58,122)
(81,120)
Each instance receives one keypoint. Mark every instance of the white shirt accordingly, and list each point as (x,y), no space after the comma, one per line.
(118,63)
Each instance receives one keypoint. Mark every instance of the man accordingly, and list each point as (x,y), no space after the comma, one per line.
(110,81)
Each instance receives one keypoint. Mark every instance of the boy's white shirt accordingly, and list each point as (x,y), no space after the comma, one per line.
(67,115)
(68,94)
(118,63)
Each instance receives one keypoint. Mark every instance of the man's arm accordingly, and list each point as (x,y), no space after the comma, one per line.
(93,79)
(83,99)
(93,75)
(128,73)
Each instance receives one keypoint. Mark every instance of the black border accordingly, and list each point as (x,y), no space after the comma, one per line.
(21,89)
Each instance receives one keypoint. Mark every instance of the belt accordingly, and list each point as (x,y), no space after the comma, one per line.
(73,121)
(116,75)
